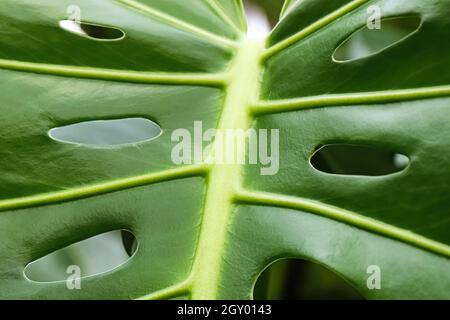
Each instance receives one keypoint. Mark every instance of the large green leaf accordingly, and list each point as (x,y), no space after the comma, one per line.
(208,230)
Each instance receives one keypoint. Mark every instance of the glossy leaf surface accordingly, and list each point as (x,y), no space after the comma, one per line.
(206,231)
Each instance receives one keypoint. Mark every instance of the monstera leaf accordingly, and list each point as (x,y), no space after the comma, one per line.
(207,230)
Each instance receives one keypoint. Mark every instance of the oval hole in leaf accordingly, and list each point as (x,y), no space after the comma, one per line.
(296,279)
(357,160)
(93,31)
(366,42)
(95,255)
(104,133)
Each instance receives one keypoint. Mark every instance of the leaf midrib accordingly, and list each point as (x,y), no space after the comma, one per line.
(225,179)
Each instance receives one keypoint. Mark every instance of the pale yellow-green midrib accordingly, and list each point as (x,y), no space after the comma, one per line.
(223,180)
